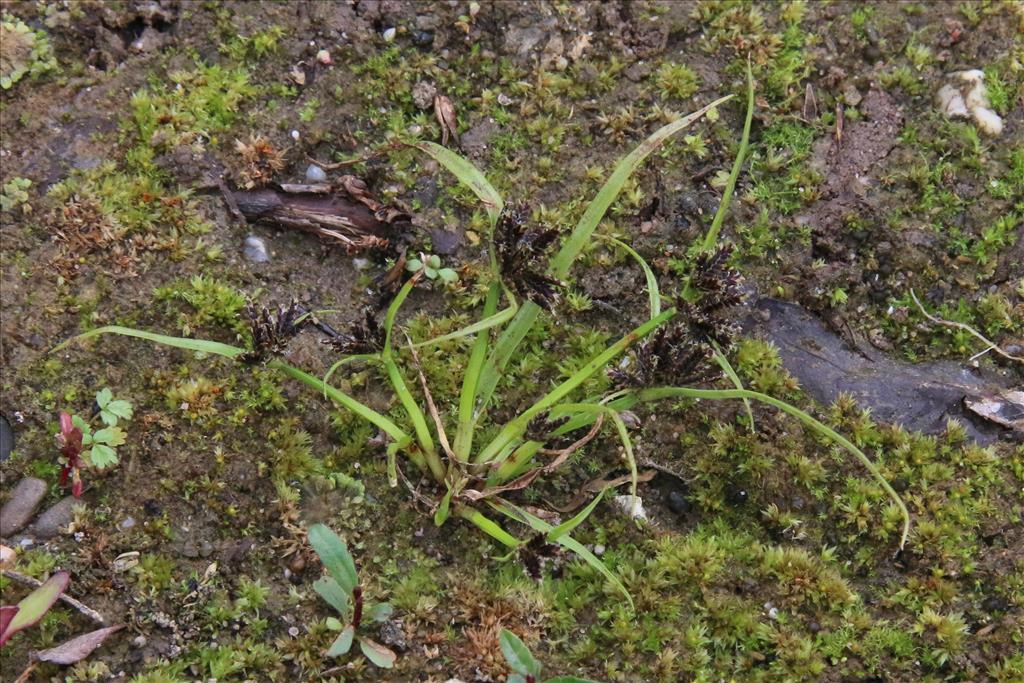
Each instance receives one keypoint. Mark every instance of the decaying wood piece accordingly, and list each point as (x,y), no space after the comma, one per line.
(344,212)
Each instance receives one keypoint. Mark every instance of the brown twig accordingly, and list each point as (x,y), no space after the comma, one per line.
(23,678)
(352,162)
(64,597)
(562,454)
(992,346)
(441,436)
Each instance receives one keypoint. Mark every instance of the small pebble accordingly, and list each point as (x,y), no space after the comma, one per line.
(422,38)
(295,135)
(56,518)
(293,631)
(389,34)
(315,174)
(140,641)
(324,57)
(255,249)
(678,503)
(25,498)
(632,506)
(393,635)
(599,550)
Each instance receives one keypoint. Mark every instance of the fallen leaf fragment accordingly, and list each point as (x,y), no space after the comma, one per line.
(78,648)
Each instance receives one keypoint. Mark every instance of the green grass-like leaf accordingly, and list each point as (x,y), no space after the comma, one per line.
(716,224)
(538,524)
(200,345)
(823,429)
(652,282)
(468,175)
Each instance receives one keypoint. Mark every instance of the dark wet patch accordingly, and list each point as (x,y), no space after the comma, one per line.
(921,397)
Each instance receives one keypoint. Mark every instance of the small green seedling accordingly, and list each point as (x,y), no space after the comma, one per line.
(340,587)
(81,446)
(431,267)
(527,669)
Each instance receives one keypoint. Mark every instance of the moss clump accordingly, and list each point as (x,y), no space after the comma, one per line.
(676,81)
(23,52)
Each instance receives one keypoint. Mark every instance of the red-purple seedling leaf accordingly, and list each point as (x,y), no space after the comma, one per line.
(36,604)
(7,613)
(78,648)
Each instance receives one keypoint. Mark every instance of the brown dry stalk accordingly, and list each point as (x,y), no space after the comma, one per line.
(992,346)
(64,597)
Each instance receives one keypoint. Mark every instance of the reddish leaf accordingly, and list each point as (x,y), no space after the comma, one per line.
(35,605)
(7,613)
(78,648)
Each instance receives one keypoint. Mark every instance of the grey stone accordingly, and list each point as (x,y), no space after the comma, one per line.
(315,174)
(25,498)
(678,503)
(255,249)
(393,635)
(55,518)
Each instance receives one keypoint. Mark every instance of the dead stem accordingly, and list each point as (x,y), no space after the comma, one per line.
(992,346)
(441,436)
(64,597)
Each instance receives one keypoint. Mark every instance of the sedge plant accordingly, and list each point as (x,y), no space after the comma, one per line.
(473,479)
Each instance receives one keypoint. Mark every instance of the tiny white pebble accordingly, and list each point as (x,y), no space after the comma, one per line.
(315,174)
(295,135)
(599,550)
(389,34)
(293,631)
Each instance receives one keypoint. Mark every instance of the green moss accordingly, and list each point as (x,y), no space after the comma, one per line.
(676,81)
(25,53)
(194,104)
(213,302)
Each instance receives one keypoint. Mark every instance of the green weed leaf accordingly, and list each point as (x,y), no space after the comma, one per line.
(103,397)
(332,593)
(343,643)
(111,436)
(115,410)
(380,612)
(517,654)
(36,604)
(377,653)
(335,556)
(102,456)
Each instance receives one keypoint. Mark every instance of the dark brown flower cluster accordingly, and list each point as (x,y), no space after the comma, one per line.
(521,258)
(272,331)
(668,356)
(363,336)
(718,289)
(681,353)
